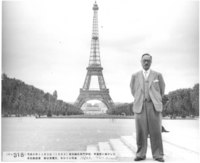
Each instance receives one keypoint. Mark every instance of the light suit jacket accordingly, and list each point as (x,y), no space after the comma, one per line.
(156,90)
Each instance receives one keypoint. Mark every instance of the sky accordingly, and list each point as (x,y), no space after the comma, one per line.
(47,43)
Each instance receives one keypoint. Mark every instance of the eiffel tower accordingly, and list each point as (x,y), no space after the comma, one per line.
(94,69)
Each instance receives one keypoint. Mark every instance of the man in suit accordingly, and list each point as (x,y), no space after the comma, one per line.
(147,88)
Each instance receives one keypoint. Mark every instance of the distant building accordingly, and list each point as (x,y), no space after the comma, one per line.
(94,109)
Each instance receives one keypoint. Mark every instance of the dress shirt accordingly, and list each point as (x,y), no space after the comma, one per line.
(147,73)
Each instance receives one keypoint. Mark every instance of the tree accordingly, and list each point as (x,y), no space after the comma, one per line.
(21,99)
(121,109)
(49,114)
(4,76)
(55,95)
(110,111)
(180,103)
(194,95)
(72,110)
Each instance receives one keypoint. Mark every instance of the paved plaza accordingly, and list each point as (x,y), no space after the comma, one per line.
(181,144)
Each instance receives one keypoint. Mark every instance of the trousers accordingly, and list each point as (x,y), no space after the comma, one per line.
(148,122)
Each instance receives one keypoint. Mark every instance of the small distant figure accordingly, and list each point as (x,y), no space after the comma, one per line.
(147,88)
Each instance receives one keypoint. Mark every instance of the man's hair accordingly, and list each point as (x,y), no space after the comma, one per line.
(147,55)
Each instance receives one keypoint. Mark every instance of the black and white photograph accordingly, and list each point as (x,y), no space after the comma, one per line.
(100,81)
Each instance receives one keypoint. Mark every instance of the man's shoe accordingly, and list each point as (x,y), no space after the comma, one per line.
(160,159)
(139,158)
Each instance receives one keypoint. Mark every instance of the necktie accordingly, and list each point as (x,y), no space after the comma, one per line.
(145,75)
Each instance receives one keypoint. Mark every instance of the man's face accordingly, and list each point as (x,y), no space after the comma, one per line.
(146,62)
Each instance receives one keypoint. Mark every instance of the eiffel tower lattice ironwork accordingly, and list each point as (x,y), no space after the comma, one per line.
(94,70)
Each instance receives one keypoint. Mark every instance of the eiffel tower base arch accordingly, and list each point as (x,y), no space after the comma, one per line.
(101,95)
